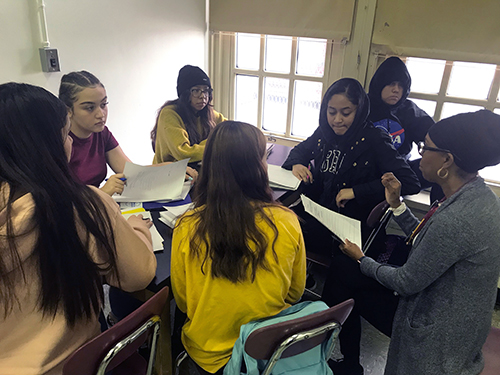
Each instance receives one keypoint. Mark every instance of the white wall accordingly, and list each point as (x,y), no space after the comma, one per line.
(135,47)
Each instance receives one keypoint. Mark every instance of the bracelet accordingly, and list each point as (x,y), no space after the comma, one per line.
(359,260)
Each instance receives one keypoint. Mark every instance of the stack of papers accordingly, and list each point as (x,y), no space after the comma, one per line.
(341,226)
(157,238)
(281,178)
(170,215)
(155,183)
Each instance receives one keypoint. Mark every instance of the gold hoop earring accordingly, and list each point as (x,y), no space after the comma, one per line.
(439,172)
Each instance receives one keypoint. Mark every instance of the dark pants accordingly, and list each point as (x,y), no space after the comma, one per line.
(373,302)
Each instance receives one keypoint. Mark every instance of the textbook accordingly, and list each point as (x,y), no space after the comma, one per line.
(281,178)
(154,183)
(170,215)
(341,226)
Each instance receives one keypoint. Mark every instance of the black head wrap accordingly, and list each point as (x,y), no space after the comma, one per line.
(190,76)
(356,94)
(473,139)
(391,70)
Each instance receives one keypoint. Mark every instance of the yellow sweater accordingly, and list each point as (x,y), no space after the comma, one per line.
(172,140)
(217,308)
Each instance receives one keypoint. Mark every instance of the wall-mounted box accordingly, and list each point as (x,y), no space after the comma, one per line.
(49,60)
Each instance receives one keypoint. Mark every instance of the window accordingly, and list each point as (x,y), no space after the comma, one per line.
(279,82)
(446,88)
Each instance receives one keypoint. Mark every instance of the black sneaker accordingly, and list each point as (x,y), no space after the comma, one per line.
(344,368)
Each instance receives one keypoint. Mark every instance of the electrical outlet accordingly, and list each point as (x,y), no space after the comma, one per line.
(49,60)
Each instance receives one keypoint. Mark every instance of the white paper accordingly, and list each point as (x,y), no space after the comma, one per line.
(158,183)
(156,237)
(170,215)
(340,225)
(282,178)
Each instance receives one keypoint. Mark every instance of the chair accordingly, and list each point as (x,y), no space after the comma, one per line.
(378,219)
(491,353)
(116,348)
(293,337)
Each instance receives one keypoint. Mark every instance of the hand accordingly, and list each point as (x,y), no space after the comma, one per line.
(351,250)
(114,184)
(302,173)
(191,174)
(392,189)
(139,220)
(344,196)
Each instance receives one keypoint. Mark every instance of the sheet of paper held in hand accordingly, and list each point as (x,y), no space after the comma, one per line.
(155,235)
(282,178)
(340,225)
(146,184)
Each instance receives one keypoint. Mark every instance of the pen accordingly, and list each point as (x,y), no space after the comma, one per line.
(121,179)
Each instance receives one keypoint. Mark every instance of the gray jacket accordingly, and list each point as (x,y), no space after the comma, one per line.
(447,287)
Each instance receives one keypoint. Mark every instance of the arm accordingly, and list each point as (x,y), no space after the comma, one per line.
(438,250)
(172,134)
(298,282)
(116,159)
(387,160)
(135,259)
(178,267)
(417,121)
(304,152)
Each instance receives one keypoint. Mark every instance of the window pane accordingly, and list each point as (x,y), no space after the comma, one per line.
(247,51)
(429,106)
(491,173)
(426,74)
(470,80)
(497,110)
(306,103)
(311,57)
(278,53)
(247,96)
(275,104)
(452,109)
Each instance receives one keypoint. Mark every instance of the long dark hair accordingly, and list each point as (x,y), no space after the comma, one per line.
(33,161)
(188,115)
(231,193)
(74,82)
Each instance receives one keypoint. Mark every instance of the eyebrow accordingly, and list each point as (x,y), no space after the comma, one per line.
(341,109)
(89,102)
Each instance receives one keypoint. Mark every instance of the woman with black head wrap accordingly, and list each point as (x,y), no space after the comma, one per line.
(448,285)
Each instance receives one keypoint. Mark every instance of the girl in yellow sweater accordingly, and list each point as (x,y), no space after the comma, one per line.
(183,124)
(238,256)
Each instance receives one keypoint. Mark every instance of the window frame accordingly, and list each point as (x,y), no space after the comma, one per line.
(224,60)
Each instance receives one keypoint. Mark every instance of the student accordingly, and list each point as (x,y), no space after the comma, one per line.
(60,240)
(350,155)
(448,285)
(238,256)
(183,124)
(94,147)
(393,112)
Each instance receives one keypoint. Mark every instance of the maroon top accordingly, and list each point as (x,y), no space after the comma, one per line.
(88,157)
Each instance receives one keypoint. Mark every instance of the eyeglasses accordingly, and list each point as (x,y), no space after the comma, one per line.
(422,147)
(198,93)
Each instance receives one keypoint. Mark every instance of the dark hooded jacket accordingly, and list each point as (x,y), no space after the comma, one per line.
(356,160)
(404,121)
